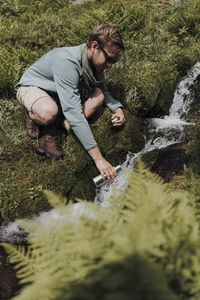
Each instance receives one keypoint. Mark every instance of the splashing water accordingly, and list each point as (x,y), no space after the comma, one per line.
(159,133)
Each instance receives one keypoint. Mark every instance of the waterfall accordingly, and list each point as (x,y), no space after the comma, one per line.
(159,133)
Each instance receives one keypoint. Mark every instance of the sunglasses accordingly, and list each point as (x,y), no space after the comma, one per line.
(108,58)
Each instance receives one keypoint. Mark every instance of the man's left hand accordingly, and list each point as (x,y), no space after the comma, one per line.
(120,115)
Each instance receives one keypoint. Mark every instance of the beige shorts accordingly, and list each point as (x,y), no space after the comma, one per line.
(28,95)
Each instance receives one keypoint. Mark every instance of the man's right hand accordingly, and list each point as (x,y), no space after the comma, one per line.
(104,167)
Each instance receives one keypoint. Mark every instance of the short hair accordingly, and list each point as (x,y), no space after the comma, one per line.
(106,35)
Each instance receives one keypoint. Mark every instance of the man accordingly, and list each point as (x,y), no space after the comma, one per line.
(69,81)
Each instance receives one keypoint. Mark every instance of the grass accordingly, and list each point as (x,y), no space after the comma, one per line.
(162,43)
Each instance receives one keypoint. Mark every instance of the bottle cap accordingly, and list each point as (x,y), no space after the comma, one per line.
(114,120)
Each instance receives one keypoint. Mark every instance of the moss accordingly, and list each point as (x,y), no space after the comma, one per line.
(84,187)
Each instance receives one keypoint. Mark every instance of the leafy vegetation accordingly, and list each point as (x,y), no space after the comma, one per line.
(106,253)
(93,252)
(162,43)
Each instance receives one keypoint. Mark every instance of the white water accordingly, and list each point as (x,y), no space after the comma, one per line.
(159,133)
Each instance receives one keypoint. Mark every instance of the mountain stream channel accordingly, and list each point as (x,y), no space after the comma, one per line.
(160,135)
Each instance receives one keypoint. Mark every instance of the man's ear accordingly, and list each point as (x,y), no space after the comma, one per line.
(94,45)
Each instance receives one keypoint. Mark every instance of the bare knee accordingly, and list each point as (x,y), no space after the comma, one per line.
(93,102)
(99,97)
(44,111)
(48,115)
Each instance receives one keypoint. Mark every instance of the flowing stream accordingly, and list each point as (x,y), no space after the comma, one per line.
(159,133)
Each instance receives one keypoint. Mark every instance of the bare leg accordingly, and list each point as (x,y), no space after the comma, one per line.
(89,106)
(93,102)
(44,111)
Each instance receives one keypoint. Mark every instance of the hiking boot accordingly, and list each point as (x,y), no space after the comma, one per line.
(49,146)
(32,128)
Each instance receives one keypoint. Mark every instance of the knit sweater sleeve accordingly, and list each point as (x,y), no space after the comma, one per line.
(66,77)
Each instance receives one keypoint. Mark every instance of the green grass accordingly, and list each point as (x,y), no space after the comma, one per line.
(162,44)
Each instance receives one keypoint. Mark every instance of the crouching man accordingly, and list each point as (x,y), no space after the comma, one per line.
(65,87)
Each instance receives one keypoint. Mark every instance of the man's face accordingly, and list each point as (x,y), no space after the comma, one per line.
(103,57)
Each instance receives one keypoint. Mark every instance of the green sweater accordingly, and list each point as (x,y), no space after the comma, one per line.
(60,71)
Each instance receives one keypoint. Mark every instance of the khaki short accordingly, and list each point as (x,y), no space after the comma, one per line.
(28,95)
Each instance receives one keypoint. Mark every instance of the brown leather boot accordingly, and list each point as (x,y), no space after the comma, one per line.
(49,146)
(32,128)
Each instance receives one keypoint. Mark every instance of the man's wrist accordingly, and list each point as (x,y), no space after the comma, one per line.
(119,108)
(95,154)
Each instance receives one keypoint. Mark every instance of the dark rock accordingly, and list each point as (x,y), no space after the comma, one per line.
(168,162)
(9,285)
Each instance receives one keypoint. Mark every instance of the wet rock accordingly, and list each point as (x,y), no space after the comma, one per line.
(167,162)
(13,233)
(9,285)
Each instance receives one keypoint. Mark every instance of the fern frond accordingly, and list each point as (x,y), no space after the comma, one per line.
(53,199)
(85,250)
(24,265)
